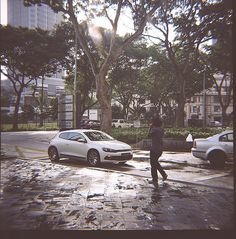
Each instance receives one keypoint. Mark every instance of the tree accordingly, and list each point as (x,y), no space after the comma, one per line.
(183,50)
(218,57)
(16,57)
(51,57)
(126,76)
(54,108)
(141,12)
(28,55)
(28,112)
(85,81)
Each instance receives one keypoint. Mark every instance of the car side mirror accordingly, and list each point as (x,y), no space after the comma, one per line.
(82,141)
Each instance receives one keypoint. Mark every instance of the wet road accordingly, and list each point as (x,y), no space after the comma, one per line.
(181,167)
(69,195)
(44,196)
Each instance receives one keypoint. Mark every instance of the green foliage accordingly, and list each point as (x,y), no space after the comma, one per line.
(134,135)
(30,127)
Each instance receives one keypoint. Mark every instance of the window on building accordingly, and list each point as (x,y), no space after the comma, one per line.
(196,109)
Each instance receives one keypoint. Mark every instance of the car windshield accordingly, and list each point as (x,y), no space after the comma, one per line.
(98,136)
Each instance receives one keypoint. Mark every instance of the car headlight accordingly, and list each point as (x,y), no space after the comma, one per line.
(108,150)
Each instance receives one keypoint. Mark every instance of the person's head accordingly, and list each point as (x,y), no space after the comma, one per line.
(156,122)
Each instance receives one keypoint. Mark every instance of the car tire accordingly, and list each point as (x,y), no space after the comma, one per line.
(53,154)
(93,158)
(217,159)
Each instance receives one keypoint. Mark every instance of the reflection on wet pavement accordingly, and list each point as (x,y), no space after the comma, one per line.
(45,196)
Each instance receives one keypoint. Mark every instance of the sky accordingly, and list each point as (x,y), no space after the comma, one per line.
(3,12)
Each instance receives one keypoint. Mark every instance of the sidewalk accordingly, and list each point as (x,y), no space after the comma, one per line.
(40,195)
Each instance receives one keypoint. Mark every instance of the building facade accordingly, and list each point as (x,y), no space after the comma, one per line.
(206,106)
(31,17)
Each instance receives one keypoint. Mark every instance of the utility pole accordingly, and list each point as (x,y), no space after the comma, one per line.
(75,86)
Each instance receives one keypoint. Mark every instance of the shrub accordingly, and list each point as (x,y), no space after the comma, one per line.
(134,135)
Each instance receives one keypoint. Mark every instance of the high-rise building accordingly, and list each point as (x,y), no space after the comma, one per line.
(32,17)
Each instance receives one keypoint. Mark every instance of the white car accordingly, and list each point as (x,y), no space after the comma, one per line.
(91,145)
(217,149)
(121,123)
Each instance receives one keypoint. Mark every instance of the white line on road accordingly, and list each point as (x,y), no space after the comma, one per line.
(211,176)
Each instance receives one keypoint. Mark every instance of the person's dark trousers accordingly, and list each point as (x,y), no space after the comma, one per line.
(155,165)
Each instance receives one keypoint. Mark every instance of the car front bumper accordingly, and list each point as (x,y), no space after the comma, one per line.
(117,157)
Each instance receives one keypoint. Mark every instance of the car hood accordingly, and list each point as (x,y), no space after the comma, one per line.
(115,144)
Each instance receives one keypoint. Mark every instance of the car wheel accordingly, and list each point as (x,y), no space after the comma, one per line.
(217,159)
(53,154)
(93,158)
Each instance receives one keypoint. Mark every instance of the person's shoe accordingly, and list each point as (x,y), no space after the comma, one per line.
(152,181)
(164,177)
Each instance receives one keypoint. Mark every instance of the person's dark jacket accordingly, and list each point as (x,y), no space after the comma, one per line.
(156,134)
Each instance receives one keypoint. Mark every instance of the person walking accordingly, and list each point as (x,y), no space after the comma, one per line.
(156,133)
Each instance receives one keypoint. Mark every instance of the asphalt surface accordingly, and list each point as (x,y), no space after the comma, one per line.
(39,195)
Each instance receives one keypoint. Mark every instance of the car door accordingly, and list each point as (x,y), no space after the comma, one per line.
(62,143)
(226,142)
(77,148)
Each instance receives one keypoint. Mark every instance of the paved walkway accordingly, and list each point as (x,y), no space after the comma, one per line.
(40,195)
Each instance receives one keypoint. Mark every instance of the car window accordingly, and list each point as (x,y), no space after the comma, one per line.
(114,121)
(226,138)
(64,135)
(75,136)
(98,136)
(230,137)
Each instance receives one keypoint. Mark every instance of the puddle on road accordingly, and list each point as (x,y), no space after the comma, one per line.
(95,196)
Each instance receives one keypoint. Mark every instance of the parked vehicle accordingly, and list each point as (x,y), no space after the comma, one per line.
(121,123)
(91,124)
(92,145)
(215,124)
(217,149)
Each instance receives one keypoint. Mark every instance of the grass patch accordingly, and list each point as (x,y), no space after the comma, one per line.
(30,127)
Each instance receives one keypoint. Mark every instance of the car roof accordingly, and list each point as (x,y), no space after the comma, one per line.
(77,130)
(227,131)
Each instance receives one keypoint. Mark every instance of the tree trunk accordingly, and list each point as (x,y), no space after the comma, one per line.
(224,116)
(16,110)
(180,100)
(104,98)
(180,113)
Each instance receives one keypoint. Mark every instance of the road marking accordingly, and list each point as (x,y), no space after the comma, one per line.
(211,176)
(17,147)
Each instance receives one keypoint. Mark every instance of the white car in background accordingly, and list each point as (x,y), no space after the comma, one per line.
(121,123)
(217,149)
(91,145)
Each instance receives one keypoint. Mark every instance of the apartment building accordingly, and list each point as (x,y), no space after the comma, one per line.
(207,106)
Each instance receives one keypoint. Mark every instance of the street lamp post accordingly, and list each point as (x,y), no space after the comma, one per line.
(204,98)
(75,86)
